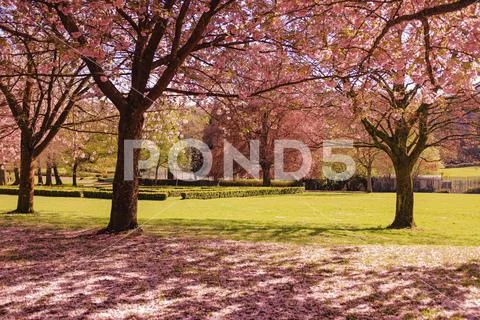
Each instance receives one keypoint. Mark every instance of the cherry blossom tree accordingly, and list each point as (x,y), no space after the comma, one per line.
(410,60)
(88,138)
(265,94)
(410,80)
(40,87)
(166,126)
(135,54)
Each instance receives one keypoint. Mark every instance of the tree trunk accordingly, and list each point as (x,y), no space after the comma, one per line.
(404,207)
(27,177)
(16,173)
(123,215)
(3,175)
(267,179)
(48,178)
(58,180)
(264,148)
(74,174)
(157,168)
(369,180)
(39,175)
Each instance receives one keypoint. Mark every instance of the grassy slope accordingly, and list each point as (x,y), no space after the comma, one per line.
(461,172)
(323,218)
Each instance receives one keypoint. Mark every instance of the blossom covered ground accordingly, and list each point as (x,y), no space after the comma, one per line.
(47,274)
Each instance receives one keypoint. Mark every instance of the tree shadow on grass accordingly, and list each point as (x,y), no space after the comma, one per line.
(302,233)
(51,220)
(48,274)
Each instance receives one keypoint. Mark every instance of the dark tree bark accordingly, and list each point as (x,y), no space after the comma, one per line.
(27,176)
(266,175)
(3,175)
(74,174)
(48,177)
(369,180)
(123,215)
(265,162)
(58,179)
(405,197)
(157,168)
(403,144)
(39,176)
(16,174)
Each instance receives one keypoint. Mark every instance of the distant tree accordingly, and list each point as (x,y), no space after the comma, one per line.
(40,87)
(273,101)
(366,157)
(3,175)
(9,143)
(165,127)
(88,138)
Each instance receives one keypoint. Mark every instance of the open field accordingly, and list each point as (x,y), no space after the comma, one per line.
(311,218)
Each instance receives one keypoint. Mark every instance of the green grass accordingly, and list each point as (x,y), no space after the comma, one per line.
(461,172)
(321,218)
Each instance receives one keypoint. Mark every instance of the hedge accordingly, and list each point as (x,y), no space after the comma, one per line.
(58,193)
(473,191)
(170,191)
(175,193)
(152,196)
(66,193)
(91,193)
(9,191)
(258,183)
(216,183)
(101,194)
(240,193)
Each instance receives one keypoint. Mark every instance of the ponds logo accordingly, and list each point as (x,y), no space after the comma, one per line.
(232,155)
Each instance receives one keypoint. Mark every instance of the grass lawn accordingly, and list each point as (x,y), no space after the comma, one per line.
(310,218)
(327,256)
(461,172)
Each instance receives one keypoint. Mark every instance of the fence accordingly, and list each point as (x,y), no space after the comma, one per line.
(429,184)
(462,184)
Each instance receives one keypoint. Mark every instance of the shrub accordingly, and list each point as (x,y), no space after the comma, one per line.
(356,183)
(173,182)
(175,193)
(152,196)
(442,191)
(9,191)
(102,194)
(256,183)
(235,193)
(473,191)
(98,194)
(61,192)
(58,193)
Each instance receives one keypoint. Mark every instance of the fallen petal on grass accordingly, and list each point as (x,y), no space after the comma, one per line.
(85,275)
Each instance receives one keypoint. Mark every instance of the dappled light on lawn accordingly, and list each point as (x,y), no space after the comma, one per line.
(82,275)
